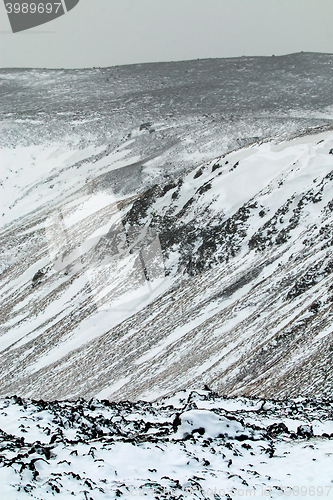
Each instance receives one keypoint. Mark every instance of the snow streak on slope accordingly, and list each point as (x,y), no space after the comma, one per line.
(191,445)
(245,304)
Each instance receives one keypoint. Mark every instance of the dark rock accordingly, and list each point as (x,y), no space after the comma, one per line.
(305,431)
(145,126)
(198,173)
(200,430)
(38,276)
(176,423)
(276,429)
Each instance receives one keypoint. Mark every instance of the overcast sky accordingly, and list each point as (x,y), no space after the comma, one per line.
(112,32)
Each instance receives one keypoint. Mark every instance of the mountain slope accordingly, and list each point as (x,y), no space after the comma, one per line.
(107,123)
(222,275)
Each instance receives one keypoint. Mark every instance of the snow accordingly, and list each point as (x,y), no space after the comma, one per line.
(31,176)
(207,423)
(104,394)
(267,164)
(190,445)
(212,315)
(243,234)
(25,169)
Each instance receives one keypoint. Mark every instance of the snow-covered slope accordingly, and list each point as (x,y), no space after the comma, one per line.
(177,115)
(166,226)
(239,261)
(191,445)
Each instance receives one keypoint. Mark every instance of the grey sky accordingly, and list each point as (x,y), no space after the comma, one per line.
(111,32)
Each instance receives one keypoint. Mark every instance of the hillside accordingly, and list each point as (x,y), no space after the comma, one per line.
(167,226)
